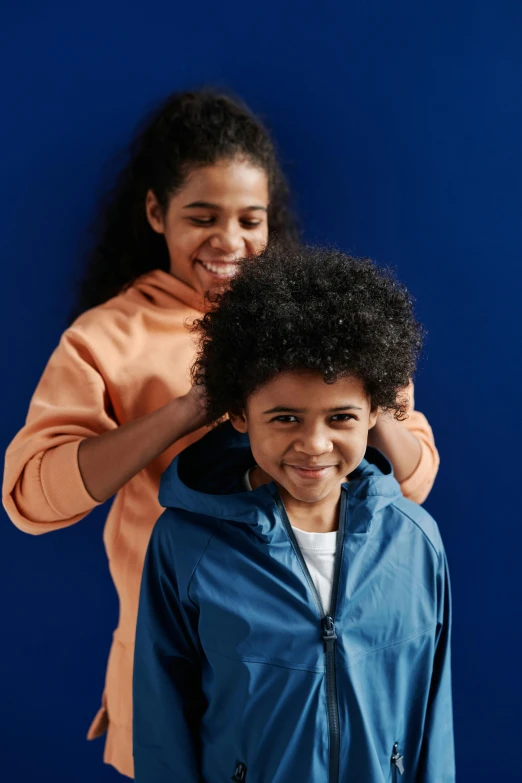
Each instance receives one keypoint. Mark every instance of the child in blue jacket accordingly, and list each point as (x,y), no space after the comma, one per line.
(294,619)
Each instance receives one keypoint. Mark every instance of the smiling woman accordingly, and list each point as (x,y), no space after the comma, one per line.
(202,190)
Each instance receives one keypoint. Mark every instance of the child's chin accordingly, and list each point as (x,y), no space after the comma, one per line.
(310,495)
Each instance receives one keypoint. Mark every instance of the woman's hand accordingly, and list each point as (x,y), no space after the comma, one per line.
(195,405)
(108,461)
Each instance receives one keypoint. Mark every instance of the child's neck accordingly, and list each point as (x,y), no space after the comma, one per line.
(319,517)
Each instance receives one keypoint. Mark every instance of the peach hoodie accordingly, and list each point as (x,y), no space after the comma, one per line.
(117,362)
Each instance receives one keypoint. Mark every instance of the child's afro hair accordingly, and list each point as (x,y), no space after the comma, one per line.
(307,309)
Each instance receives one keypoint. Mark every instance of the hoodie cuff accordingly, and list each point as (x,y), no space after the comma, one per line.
(417,486)
(62,481)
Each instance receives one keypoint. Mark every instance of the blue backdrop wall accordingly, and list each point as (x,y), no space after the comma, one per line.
(400,127)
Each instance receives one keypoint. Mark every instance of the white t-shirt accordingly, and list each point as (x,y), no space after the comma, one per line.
(319,554)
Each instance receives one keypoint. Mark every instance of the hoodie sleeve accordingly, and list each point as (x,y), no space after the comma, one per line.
(43,489)
(437,762)
(417,487)
(167,701)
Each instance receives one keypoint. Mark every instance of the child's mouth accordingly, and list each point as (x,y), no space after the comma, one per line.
(317,472)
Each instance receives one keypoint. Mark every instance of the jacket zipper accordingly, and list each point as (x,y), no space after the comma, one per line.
(328,631)
(397,762)
(240,772)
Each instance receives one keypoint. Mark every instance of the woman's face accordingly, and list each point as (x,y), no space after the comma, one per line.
(216,219)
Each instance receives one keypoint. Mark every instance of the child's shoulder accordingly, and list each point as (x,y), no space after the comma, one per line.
(422,521)
(179,539)
(184,529)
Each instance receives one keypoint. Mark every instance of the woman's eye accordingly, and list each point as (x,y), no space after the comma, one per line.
(210,221)
(202,221)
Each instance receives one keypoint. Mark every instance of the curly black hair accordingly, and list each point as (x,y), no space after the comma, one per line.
(190,129)
(307,308)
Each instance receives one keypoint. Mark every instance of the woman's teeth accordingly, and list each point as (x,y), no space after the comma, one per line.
(223,270)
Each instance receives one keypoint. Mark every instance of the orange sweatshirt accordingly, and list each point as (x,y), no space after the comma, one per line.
(117,362)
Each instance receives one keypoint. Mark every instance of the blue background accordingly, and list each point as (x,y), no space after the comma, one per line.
(400,128)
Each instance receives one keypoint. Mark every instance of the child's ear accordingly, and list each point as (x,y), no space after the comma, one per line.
(372,420)
(239,421)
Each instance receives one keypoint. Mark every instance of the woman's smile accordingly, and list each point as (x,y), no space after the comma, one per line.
(224,270)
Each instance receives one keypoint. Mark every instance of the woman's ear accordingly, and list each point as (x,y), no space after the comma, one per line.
(154,213)
(239,421)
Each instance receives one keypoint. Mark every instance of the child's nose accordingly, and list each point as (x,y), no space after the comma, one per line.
(314,442)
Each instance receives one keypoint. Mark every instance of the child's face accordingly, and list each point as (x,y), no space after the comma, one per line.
(217,218)
(308,435)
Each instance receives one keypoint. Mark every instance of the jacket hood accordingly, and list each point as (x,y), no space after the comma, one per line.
(207,478)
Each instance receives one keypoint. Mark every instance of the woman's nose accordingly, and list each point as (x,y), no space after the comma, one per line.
(229,242)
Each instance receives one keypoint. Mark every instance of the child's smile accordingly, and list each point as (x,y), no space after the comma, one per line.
(316,472)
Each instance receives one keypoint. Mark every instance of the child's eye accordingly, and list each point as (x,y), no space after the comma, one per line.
(251,223)
(285,419)
(344,417)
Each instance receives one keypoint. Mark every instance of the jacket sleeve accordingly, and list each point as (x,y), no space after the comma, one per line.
(437,762)
(43,489)
(167,701)
(418,486)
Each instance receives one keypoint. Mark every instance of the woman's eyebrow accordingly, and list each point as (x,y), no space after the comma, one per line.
(209,205)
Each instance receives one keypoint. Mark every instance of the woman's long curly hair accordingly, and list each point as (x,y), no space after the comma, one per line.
(190,129)
(295,309)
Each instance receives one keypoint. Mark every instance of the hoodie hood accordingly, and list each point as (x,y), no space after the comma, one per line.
(207,478)
(165,291)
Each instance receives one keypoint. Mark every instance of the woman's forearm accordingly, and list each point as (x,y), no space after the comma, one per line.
(401,447)
(110,460)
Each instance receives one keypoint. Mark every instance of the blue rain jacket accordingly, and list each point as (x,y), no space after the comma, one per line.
(241,674)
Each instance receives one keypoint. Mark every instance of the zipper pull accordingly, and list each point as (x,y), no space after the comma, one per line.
(329,634)
(240,773)
(397,759)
